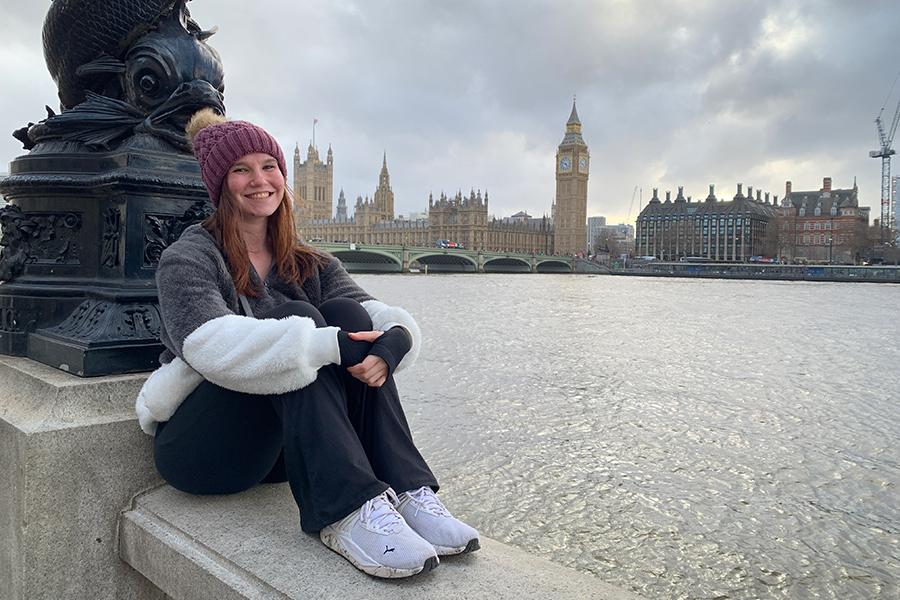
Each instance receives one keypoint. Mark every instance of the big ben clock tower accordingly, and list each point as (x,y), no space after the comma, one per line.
(572,166)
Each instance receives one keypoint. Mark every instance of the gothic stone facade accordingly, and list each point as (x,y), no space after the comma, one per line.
(462,219)
(313,184)
(380,209)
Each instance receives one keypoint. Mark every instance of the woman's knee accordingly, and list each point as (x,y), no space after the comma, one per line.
(218,442)
(203,473)
(347,314)
(296,308)
(189,481)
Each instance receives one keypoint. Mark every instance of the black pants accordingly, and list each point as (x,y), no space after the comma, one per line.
(337,441)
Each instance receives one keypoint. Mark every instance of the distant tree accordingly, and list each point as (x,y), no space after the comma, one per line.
(863,239)
(607,243)
(785,231)
(892,255)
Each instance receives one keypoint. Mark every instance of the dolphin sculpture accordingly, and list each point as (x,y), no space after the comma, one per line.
(125,67)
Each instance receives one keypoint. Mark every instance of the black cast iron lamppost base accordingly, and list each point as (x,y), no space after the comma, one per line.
(109,183)
(83,236)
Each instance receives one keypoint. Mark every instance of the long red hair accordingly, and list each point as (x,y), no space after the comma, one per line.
(293,262)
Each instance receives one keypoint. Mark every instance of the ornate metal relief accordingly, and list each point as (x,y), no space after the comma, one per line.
(41,238)
(54,238)
(9,319)
(112,231)
(100,320)
(161,230)
(14,241)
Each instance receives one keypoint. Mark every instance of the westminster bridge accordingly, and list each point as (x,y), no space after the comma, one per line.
(377,258)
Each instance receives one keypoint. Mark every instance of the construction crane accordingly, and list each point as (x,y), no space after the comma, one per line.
(888,209)
(631,206)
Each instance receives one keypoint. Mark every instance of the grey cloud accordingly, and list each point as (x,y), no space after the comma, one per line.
(476,94)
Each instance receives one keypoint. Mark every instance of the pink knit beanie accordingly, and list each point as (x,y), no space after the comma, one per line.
(219,143)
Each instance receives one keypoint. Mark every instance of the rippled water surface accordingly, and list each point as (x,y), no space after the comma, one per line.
(681,438)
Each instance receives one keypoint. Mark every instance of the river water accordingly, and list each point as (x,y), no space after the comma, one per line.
(680,438)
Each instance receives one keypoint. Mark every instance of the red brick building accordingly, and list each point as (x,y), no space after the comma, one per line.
(822,226)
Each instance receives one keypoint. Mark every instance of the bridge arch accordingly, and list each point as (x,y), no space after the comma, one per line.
(507,264)
(553,265)
(445,262)
(368,261)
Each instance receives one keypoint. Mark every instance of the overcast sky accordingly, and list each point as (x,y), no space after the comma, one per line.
(475,94)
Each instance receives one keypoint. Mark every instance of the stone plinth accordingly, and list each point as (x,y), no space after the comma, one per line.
(71,458)
(249,546)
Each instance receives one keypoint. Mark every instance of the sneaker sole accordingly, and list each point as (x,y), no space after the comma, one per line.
(472,546)
(335,543)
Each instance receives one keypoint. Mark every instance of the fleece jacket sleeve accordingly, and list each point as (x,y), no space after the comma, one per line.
(261,356)
(188,279)
(163,393)
(385,317)
(391,346)
(257,356)
(352,351)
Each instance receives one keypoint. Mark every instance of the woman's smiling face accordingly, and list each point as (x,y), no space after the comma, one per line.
(256,184)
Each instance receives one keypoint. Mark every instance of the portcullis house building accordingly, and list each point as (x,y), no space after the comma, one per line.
(712,229)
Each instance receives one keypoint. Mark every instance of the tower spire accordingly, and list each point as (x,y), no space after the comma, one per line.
(573,128)
(384,196)
(573,118)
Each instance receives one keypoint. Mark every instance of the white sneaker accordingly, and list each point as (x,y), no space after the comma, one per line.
(377,541)
(428,517)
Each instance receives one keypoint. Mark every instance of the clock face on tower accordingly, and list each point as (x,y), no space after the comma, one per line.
(582,164)
(565,163)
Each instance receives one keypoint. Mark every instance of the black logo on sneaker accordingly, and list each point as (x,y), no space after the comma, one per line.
(386,550)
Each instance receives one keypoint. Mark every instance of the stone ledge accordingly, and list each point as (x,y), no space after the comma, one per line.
(35,397)
(249,546)
(71,456)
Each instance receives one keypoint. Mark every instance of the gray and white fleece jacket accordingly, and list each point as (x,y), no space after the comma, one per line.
(206,338)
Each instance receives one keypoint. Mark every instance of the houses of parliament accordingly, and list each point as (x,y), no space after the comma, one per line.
(461,218)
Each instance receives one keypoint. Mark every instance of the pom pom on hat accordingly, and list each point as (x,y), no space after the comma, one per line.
(201,120)
(218,143)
